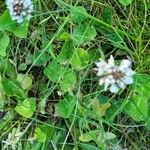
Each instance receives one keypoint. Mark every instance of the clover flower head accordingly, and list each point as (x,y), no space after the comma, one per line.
(113,76)
(13,138)
(20,10)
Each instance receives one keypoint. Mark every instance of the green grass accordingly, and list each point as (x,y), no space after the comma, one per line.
(89,118)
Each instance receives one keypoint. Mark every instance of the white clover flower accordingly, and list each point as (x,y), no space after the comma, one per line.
(20,10)
(13,138)
(113,76)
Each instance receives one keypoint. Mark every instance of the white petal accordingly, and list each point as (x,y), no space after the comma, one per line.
(28,17)
(111,61)
(100,72)
(101,81)
(110,77)
(129,72)
(128,80)
(109,70)
(16,17)
(112,81)
(115,69)
(114,89)
(125,64)
(31,8)
(101,64)
(24,13)
(121,85)
(20,20)
(107,82)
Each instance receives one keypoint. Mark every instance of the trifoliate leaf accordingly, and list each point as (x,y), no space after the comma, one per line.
(137,106)
(68,80)
(54,71)
(40,59)
(65,107)
(78,14)
(22,67)
(26,108)
(66,52)
(83,33)
(25,81)
(89,136)
(98,108)
(80,59)
(13,88)
(43,133)
(7,68)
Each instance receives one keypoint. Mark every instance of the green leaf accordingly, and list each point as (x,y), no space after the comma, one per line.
(21,30)
(2,96)
(7,24)
(80,59)
(5,21)
(13,88)
(115,38)
(2,102)
(125,2)
(141,79)
(42,105)
(65,107)
(109,136)
(148,120)
(68,80)
(42,59)
(66,52)
(7,68)
(48,47)
(4,42)
(24,80)
(22,67)
(93,135)
(86,137)
(63,36)
(54,71)
(43,133)
(115,109)
(78,14)
(94,55)
(137,106)
(100,108)
(89,136)
(58,73)
(26,108)
(83,33)
(107,15)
